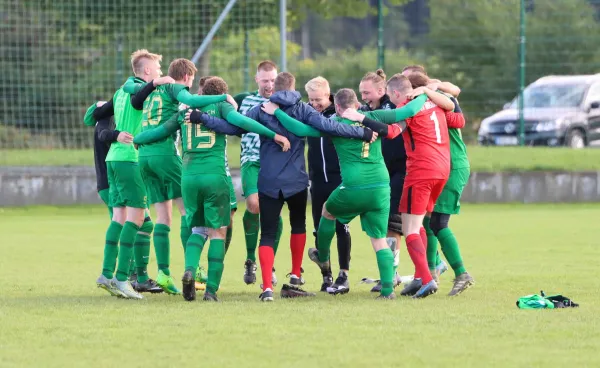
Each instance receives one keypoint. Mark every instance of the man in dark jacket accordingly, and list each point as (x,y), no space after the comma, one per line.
(283,179)
(325,176)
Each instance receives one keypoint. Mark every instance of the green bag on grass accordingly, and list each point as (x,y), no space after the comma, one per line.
(542,301)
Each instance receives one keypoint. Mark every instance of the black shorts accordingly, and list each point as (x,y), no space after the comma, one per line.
(396,186)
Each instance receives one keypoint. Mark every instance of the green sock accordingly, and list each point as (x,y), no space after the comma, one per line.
(141,255)
(438,259)
(216,254)
(126,240)
(251,226)
(193,250)
(228,237)
(451,250)
(131,266)
(162,247)
(111,249)
(184,232)
(385,263)
(393,244)
(141,250)
(324,236)
(278,235)
(432,243)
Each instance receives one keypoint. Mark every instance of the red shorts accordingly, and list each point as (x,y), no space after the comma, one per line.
(419,196)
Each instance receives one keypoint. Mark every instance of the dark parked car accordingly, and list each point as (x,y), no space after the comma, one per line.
(558,110)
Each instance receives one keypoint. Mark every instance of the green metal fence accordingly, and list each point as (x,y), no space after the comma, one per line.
(59,56)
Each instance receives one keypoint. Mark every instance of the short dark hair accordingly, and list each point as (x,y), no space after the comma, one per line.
(345,98)
(202,81)
(284,82)
(418,79)
(215,86)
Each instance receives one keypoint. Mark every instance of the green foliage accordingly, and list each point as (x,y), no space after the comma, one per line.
(338,8)
(478,41)
(263,44)
(12,138)
(345,68)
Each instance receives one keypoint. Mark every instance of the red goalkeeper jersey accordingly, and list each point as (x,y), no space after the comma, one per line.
(427,143)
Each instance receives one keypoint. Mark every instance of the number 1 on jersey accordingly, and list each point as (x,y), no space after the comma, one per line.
(438,135)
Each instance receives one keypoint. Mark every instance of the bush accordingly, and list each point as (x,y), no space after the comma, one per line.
(11,138)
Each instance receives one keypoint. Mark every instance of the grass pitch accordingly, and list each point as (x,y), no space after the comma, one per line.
(487,159)
(52,315)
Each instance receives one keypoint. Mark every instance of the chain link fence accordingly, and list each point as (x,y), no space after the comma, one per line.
(59,56)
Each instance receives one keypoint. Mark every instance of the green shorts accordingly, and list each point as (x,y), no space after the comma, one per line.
(250,178)
(206,199)
(449,200)
(232,197)
(372,205)
(162,176)
(126,187)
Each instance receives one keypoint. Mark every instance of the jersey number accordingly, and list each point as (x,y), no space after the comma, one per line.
(198,133)
(438,136)
(365,149)
(153,111)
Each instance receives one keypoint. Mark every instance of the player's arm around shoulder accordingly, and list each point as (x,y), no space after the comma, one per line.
(289,123)
(312,117)
(216,124)
(160,132)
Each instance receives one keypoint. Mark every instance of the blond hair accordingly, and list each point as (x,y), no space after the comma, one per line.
(345,98)
(179,68)
(377,78)
(138,57)
(317,84)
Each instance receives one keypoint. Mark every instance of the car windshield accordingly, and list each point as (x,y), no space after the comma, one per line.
(552,95)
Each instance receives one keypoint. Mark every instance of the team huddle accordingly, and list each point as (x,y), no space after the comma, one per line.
(398,162)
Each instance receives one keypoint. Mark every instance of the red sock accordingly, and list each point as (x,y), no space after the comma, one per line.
(416,250)
(267,258)
(297,244)
(423,234)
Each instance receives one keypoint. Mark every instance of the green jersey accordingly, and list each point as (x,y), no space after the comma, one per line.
(159,107)
(361,163)
(250,142)
(458,150)
(204,149)
(127,119)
